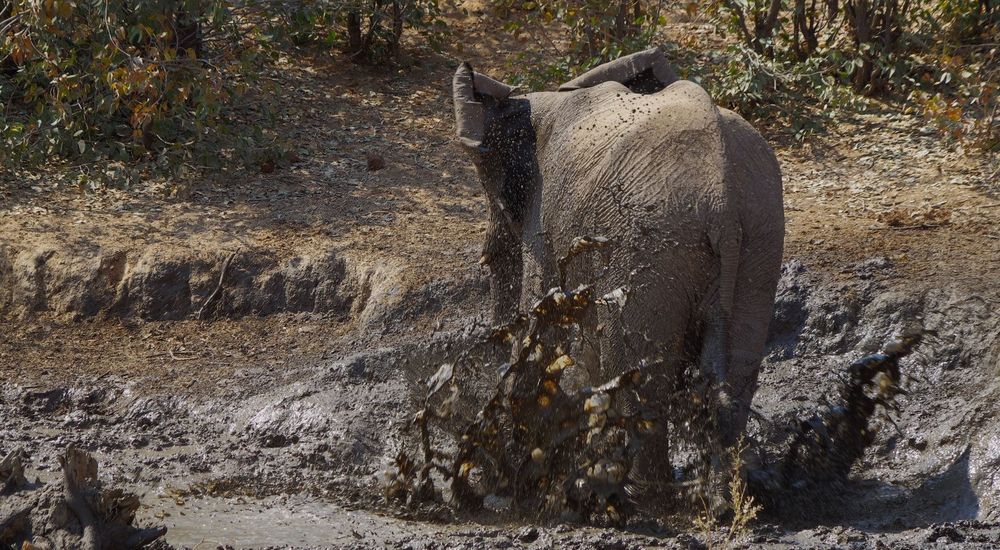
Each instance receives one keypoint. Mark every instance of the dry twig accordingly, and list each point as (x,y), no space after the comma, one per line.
(218,288)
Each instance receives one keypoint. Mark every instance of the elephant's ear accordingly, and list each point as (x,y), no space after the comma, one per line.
(469,90)
(643,72)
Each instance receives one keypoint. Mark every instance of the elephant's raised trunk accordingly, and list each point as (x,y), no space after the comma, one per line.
(629,71)
(470,115)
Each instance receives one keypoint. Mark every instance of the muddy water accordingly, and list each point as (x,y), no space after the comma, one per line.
(274,521)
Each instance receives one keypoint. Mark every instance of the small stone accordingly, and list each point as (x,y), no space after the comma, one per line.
(528,535)
(375,162)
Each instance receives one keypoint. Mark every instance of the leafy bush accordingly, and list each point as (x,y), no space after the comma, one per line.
(754,20)
(876,29)
(156,80)
(118,80)
(965,101)
(798,60)
(963,21)
(956,81)
(370,31)
(810,24)
(593,31)
(801,95)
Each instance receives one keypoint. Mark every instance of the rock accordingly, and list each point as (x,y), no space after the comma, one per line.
(375,162)
(12,472)
(870,267)
(528,535)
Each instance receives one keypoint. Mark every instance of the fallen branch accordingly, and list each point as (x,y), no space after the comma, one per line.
(78,514)
(218,288)
(12,472)
(176,355)
(80,471)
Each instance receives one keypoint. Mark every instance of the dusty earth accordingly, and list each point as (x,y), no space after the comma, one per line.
(257,411)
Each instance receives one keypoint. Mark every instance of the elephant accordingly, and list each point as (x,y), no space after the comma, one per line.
(689,195)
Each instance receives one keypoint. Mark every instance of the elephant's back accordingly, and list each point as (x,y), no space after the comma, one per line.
(669,158)
(754,173)
(678,161)
(664,150)
(644,170)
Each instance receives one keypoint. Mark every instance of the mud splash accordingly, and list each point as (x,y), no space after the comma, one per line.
(542,451)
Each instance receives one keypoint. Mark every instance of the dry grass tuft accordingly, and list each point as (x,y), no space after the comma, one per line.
(741,504)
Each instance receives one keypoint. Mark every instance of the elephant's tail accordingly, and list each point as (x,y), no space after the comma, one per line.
(716,346)
(717,322)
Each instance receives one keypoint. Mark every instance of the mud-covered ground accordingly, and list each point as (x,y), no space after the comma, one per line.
(288,454)
(258,412)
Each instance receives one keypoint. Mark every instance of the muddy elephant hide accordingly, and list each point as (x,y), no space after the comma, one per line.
(689,195)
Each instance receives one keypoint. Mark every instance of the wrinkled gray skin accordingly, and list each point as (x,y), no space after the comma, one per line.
(689,194)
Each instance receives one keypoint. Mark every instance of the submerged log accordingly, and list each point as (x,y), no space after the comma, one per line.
(79,514)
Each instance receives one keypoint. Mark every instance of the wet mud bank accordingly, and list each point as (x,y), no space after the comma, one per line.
(936,458)
(300,454)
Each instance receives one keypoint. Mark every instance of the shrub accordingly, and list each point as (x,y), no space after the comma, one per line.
(802,96)
(964,102)
(810,22)
(754,20)
(594,31)
(118,80)
(156,80)
(876,28)
(369,31)
(956,75)
(935,55)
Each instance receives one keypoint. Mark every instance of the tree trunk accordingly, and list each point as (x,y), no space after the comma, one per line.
(764,25)
(798,27)
(634,25)
(876,27)
(859,18)
(374,23)
(621,23)
(397,27)
(354,40)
